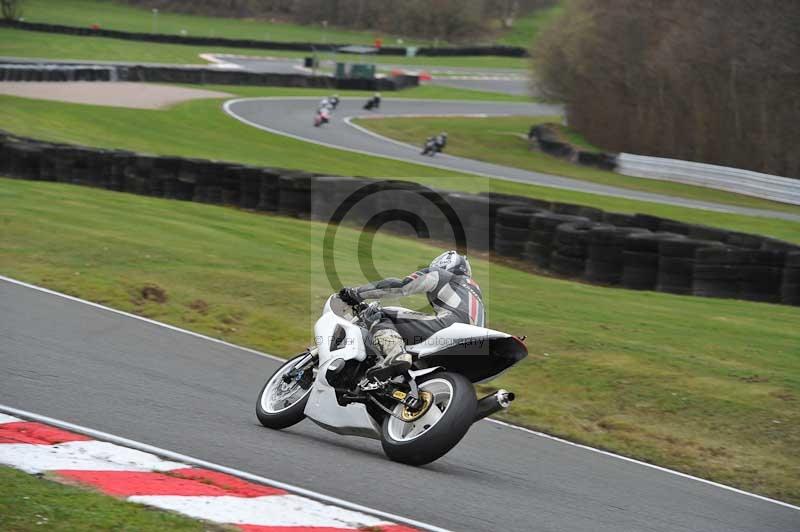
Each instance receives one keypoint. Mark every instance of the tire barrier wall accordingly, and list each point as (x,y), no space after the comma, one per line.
(548,140)
(756,184)
(166,74)
(640,252)
(16,72)
(505,51)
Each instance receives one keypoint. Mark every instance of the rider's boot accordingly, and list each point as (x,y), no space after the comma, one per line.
(395,358)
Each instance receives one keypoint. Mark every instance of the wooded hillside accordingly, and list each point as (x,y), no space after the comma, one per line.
(449,20)
(715,81)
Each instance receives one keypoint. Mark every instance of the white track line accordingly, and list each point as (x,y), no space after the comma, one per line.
(148,448)
(133,444)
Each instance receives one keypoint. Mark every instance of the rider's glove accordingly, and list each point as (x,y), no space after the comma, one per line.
(350,296)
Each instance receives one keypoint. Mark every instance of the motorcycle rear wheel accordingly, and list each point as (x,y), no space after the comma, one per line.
(280,404)
(444,424)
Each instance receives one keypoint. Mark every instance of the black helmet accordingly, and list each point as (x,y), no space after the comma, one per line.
(453,262)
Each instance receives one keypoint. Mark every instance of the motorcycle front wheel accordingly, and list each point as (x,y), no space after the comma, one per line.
(418,440)
(282,401)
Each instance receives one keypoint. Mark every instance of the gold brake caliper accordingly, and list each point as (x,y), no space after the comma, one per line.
(411,415)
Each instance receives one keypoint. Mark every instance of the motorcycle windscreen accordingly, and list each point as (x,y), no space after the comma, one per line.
(479,359)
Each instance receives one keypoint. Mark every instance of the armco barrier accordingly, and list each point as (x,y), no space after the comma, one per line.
(634,251)
(193,75)
(506,51)
(783,189)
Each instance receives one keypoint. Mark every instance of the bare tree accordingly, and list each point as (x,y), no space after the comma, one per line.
(716,81)
(11,9)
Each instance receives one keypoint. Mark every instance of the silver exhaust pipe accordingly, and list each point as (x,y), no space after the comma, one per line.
(499,400)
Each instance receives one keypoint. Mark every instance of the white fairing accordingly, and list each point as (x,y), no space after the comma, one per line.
(456,334)
(322,406)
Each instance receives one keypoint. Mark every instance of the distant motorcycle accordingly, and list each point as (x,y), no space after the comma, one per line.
(430,147)
(323,117)
(373,103)
(418,416)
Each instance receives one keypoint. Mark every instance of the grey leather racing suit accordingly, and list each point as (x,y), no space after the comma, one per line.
(454,298)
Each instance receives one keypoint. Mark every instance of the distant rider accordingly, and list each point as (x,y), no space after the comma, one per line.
(429,148)
(334,102)
(374,102)
(441,141)
(451,291)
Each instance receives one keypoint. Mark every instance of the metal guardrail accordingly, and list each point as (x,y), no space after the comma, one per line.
(782,189)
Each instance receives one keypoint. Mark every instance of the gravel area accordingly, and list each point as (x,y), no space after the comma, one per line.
(114,94)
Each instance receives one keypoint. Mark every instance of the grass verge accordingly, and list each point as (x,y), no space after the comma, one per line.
(113,15)
(502,140)
(527,28)
(201,129)
(34,44)
(709,387)
(34,503)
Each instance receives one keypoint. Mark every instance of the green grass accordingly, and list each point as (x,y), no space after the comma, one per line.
(117,16)
(201,129)
(527,28)
(33,44)
(710,387)
(502,140)
(30,503)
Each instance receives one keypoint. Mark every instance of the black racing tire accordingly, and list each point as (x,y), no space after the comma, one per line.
(285,418)
(605,235)
(600,253)
(603,272)
(685,247)
(442,436)
(516,215)
(618,219)
(509,248)
(791,275)
(573,252)
(567,266)
(673,226)
(548,221)
(704,232)
(792,260)
(514,234)
(790,294)
(575,233)
(544,238)
(538,254)
(744,240)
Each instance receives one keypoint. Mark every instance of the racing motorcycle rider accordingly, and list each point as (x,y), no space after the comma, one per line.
(451,291)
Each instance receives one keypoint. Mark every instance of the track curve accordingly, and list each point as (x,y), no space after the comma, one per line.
(178,391)
(292,117)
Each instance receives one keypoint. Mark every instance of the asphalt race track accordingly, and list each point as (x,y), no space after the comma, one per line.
(294,117)
(114,373)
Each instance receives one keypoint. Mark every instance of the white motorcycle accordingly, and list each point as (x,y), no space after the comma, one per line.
(418,416)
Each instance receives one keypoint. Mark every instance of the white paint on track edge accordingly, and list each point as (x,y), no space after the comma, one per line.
(164,453)
(302,491)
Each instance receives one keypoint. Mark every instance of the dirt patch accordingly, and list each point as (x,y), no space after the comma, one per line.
(199,306)
(113,94)
(153,292)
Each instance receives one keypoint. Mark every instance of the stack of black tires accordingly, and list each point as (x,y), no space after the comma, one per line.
(649,253)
